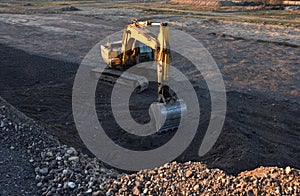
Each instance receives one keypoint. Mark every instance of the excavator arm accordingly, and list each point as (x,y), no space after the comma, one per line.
(160,45)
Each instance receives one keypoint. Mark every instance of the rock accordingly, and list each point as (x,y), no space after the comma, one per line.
(49,154)
(250,193)
(65,171)
(102,186)
(97,193)
(37,177)
(188,174)
(288,170)
(71,151)
(43,154)
(135,191)
(223,180)
(74,158)
(89,191)
(39,184)
(138,184)
(44,171)
(196,187)
(71,185)
(145,191)
(295,188)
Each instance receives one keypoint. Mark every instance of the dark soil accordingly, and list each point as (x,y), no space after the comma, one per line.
(259,129)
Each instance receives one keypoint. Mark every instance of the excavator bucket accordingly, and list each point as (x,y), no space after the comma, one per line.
(167,116)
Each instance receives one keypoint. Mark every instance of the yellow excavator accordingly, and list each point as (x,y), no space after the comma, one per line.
(141,45)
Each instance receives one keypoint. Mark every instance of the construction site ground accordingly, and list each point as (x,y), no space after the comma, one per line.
(42,45)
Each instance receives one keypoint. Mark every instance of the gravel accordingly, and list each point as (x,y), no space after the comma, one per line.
(71,172)
(61,170)
(194,178)
(53,168)
(21,140)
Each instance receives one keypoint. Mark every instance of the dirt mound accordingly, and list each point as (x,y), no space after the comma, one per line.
(195,178)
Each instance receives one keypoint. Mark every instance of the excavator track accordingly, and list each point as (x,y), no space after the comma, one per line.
(127,79)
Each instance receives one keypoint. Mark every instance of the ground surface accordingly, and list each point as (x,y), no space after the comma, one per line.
(40,166)
(260,70)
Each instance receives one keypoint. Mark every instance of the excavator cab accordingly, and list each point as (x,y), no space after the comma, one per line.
(144,53)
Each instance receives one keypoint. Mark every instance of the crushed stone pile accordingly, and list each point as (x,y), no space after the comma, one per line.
(194,178)
(62,170)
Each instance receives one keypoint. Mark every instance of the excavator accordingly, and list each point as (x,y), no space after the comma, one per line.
(141,45)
